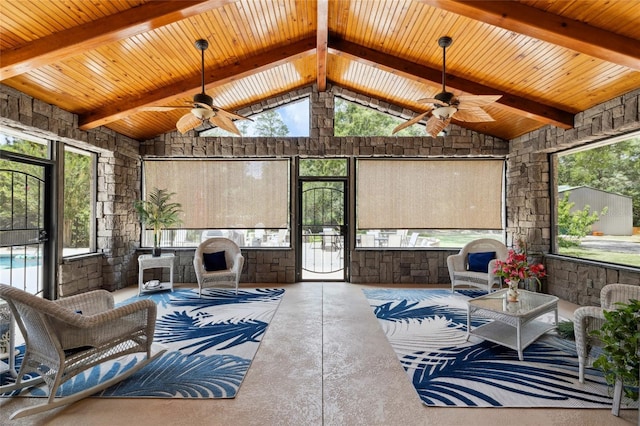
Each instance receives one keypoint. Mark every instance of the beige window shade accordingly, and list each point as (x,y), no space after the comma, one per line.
(429,194)
(225,193)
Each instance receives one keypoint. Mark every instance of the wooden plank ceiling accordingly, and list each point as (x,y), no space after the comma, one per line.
(109,61)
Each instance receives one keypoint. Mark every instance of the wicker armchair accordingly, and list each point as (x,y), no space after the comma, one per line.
(589,318)
(70,335)
(229,272)
(458,264)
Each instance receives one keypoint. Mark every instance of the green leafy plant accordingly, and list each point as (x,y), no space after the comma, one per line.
(566,330)
(572,226)
(619,336)
(157,212)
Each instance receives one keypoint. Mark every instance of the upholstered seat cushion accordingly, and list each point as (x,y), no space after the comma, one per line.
(214,261)
(479,262)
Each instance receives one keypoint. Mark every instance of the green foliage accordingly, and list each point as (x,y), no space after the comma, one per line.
(612,168)
(576,224)
(330,167)
(20,187)
(77,200)
(355,120)
(158,212)
(565,330)
(269,123)
(619,336)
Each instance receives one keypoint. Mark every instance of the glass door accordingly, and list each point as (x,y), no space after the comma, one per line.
(323,231)
(24,252)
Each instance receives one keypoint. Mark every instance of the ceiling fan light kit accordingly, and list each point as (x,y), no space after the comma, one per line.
(444,113)
(445,105)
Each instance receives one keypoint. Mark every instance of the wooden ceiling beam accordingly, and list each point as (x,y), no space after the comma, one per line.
(189,86)
(555,29)
(92,35)
(522,106)
(322,35)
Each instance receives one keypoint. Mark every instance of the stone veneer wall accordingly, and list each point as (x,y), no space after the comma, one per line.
(118,229)
(529,212)
(366,266)
(528,189)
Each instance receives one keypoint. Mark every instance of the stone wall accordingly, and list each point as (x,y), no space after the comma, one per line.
(118,177)
(366,266)
(529,214)
(529,179)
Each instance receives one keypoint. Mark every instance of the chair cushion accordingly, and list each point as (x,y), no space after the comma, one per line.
(214,261)
(479,262)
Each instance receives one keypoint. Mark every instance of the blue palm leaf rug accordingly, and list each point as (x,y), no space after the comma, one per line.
(210,341)
(427,329)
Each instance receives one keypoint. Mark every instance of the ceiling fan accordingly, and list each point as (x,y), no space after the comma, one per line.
(445,105)
(202,108)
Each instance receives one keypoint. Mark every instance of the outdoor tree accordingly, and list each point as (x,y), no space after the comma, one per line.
(269,123)
(355,120)
(573,225)
(613,168)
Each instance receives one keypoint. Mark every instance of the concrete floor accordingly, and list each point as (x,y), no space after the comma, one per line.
(323,361)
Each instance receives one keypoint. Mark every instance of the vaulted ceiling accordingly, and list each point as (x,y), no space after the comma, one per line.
(109,61)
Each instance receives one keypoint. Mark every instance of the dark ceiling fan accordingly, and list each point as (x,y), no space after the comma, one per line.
(202,108)
(445,105)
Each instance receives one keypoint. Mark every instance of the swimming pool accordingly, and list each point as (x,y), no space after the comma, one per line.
(18,261)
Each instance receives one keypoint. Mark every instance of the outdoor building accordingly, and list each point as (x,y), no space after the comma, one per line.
(618,219)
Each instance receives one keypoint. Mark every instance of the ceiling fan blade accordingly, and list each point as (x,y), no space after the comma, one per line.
(474,115)
(429,101)
(188,122)
(436,125)
(414,120)
(230,114)
(225,123)
(473,101)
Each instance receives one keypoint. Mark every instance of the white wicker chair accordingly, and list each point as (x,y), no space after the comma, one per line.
(589,318)
(458,270)
(68,336)
(226,277)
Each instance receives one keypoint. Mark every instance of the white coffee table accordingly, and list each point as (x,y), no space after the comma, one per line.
(514,324)
(147,261)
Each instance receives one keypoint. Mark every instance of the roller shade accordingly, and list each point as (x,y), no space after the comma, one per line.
(224,193)
(429,194)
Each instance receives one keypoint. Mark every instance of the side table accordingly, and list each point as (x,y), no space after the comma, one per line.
(147,261)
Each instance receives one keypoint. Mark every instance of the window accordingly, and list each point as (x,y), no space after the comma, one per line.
(79,202)
(245,200)
(352,119)
(290,120)
(598,201)
(428,203)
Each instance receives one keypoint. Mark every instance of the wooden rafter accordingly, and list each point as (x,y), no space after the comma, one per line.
(187,87)
(322,34)
(399,66)
(92,35)
(568,33)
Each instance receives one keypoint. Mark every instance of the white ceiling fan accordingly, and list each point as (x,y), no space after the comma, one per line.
(202,108)
(445,105)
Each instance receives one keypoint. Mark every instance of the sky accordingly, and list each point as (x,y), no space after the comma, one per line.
(295,115)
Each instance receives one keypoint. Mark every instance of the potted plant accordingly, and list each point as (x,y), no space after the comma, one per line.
(157,213)
(620,335)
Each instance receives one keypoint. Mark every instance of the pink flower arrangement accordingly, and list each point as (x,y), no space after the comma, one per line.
(517,268)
